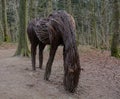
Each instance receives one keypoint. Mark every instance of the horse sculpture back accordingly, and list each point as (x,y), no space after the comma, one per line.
(57,29)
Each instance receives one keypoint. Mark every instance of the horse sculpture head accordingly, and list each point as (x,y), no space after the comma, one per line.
(72,69)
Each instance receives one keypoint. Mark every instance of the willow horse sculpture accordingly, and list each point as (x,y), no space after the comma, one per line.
(57,29)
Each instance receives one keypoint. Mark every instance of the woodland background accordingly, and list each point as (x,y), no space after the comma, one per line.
(97,21)
(98,38)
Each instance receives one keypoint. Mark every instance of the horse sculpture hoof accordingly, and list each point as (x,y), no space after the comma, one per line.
(46,78)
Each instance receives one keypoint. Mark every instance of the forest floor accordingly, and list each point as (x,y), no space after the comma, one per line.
(100,78)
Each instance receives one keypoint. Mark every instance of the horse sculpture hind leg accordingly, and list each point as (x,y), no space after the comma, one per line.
(41,48)
(34,43)
(33,55)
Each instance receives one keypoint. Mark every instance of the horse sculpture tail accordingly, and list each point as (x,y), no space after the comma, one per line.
(64,23)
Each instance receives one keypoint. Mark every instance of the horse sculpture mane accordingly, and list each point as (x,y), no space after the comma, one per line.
(57,29)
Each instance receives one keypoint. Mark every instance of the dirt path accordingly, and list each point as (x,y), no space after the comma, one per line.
(99,80)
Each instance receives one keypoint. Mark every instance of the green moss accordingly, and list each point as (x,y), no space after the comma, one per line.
(115,53)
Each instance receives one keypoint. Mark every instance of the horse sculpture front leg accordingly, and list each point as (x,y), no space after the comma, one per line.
(50,61)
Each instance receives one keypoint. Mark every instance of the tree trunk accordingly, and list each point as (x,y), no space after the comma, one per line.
(115,50)
(1,32)
(22,49)
(4,21)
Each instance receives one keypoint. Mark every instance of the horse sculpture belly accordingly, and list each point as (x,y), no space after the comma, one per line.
(58,28)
